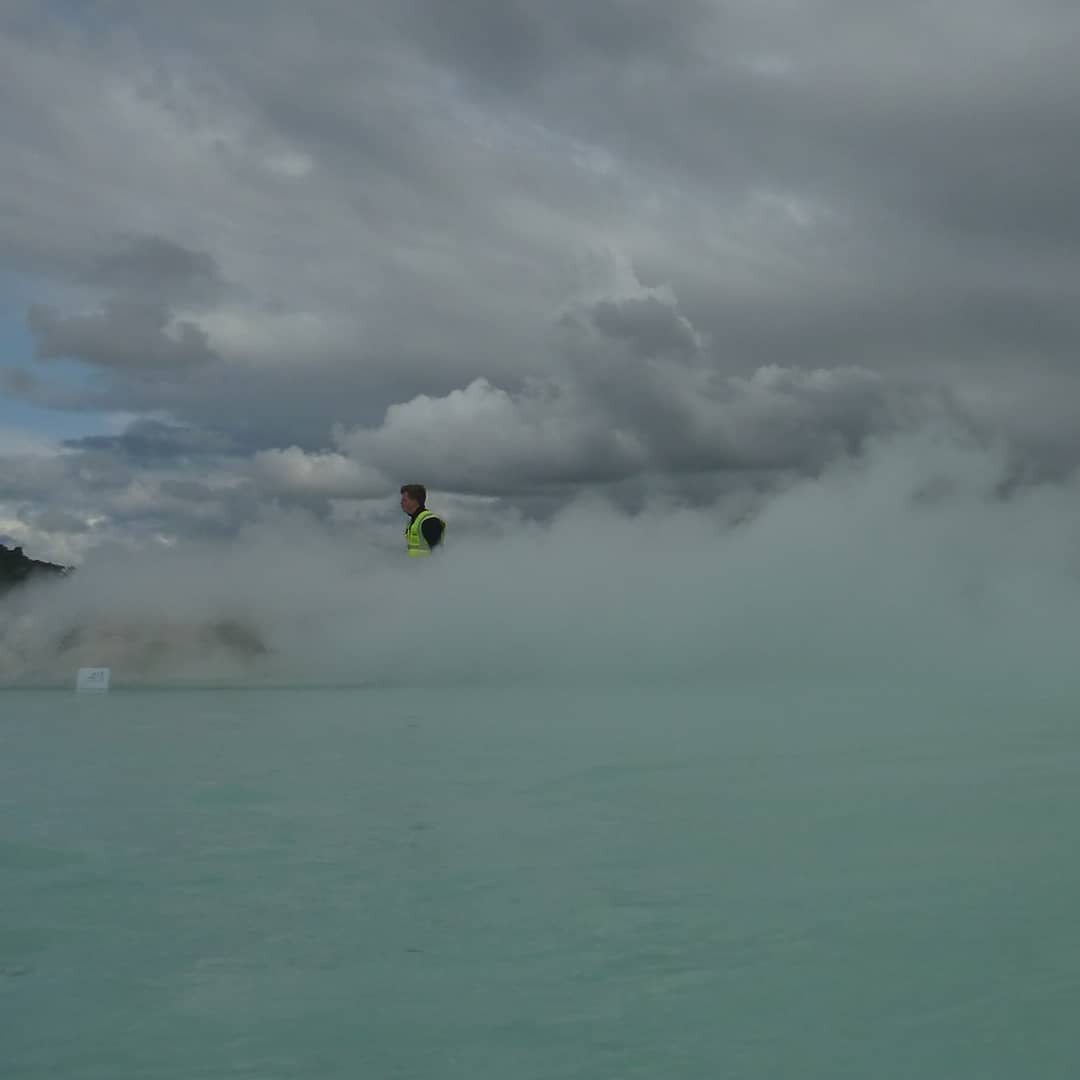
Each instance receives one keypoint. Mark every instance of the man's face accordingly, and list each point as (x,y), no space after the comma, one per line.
(408,504)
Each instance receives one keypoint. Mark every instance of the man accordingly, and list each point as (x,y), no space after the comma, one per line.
(425,529)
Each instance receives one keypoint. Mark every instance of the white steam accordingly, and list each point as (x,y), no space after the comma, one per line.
(905,565)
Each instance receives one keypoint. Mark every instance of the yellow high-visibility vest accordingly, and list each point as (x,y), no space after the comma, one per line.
(415,543)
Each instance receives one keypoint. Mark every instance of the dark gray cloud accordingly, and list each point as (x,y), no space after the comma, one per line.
(152,440)
(647,324)
(134,337)
(136,332)
(153,267)
(516,47)
(519,248)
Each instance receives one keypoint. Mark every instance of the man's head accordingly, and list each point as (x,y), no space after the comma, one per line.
(413,497)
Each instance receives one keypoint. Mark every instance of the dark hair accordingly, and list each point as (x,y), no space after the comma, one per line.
(416,492)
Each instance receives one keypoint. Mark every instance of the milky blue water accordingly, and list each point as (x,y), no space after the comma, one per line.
(757,881)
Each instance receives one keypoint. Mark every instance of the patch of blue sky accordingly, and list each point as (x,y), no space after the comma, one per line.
(17,353)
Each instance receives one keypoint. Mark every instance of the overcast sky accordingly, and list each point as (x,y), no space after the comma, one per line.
(264,254)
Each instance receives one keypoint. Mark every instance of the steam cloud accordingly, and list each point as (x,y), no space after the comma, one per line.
(916,560)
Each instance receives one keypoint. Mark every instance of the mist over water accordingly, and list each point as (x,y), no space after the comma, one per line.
(914,562)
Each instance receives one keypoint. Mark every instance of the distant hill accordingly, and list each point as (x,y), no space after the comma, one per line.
(15,568)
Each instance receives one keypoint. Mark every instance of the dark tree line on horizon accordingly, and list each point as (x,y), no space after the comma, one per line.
(15,568)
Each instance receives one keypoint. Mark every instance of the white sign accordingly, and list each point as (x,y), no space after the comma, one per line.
(92,678)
